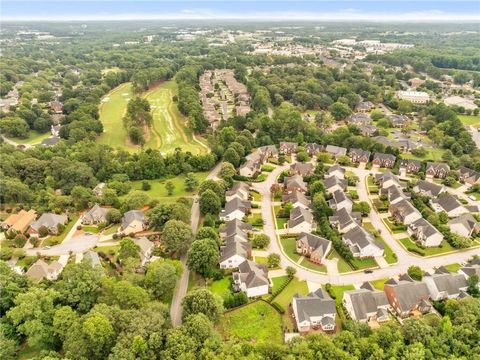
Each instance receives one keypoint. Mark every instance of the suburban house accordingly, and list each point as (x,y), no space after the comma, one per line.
(359,156)
(238,190)
(394,194)
(303,169)
(294,183)
(409,166)
(339,201)
(445,285)
(41,270)
(404,212)
(387,179)
(407,296)
(56,107)
(416,97)
(333,183)
(315,311)
(268,151)
(48,220)
(468,176)
(235,226)
(361,243)
(92,258)
(336,170)
(449,204)
(437,170)
(297,199)
(235,209)
(368,130)
(19,222)
(146,247)
(425,233)
(364,106)
(133,222)
(398,121)
(427,188)
(336,151)
(234,252)
(301,220)
(343,220)
(470,269)
(313,148)
(314,247)
(383,160)
(359,119)
(251,278)
(252,166)
(287,148)
(366,304)
(465,225)
(96,215)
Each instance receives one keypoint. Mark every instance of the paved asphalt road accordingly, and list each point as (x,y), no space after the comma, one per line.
(182,284)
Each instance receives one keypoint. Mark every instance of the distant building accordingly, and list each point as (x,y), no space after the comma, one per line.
(416,97)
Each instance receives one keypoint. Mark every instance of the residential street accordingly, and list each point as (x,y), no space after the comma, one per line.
(182,284)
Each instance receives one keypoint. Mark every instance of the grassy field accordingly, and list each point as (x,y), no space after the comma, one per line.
(278,281)
(378,284)
(410,245)
(257,323)
(470,120)
(312,266)
(34,137)
(294,287)
(221,287)
(342,265)
(289,246)
(453,267)
(169,129)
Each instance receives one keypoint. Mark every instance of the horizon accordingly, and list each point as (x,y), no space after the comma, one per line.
(312,11)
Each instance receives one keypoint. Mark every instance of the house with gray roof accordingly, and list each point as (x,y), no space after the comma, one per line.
(437,170)
(449,204)
(336,151)
(251,278)
(303,169)
(408,166)
(465,225)
(445,285)
(146,248)
(361,243)
(340,200)
(235,209)
(359,156)
(398,121)
(468,176)
(313,148)
(386,179)
(239,190)
(366,304)
(336,170)
(425,233)
(50,141)
(92,258)
(40,270)
(368,130)
(333,183)
(297,199)
(235,226)
(96,215)
(315,311)
(428,188)
(301,220)
(343,220)
(394,194)
(49,220)
(314,247)
(287,148)
(364,106)
(384,160)
(404,212)
(472,268)
(134,221)
(358,119)
(294,183)
(407,296)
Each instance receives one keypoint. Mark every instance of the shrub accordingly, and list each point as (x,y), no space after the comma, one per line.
(146,185)
(43,231)
(235,300)
(20,240)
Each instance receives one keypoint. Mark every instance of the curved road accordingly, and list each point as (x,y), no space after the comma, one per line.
(405,259)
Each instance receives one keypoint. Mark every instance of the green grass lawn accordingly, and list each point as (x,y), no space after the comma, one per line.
(342,265)
(34,137)
(221,287)
(294,287)
(476,194)
(453,267)
(261,260)
(389,254)
(111,229)
(91,229)
(26,262)
(289,246)
(278,281)
(256,220)
(256,196)
(366,263)
(57,239)
(432,154)
(338,290)
(378,284)
(469,119)
(158,190)
(312,266)
(410,245)
(257,323)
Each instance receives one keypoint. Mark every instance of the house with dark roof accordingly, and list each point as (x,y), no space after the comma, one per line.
(471,269)
(398,121)
(303,169)
(437,170)
(361,243)
(251,278)
(252,166)
(340,200)
(408,166)
(313,148)
(233,227)
(294,183)
(407,296)
(134,221)
(428,188)
(425,233)
(383,160)
(465,225)
(449,204)
(364,106)
(336,151)
(236,248)
(238,190)
(359,156)
(314,247)
(468,176)
(386,179)
(394,194)
(96,215)
(301,220)
(315,311)
(336,170)
(444,285)
(235,209)
(358,119)
(404,212)
(368,130)
(344,221)
(297,199)
(333,183)
(40,270)
(49,220)
(287,148)
(366,304)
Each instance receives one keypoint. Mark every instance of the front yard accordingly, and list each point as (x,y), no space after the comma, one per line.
(57,239)
(412,247)
(289,247)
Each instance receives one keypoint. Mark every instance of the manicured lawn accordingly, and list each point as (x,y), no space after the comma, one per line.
(411,246)
(261,260)
(476,194)
(91,229)
(26,261)
(453,267)
(57,239)
(289,246)
(221,287)
(389,254)
(256,220)
(281,223)
(395,229)
(312,266)
(294,287)
(268,168)
(278,281)
(469,119)
(34,137)
(338,290)
(432,154)
(366,263)
(158,190)
(378,284)
(342,265)
(256,196)
(257,323)
(111,229)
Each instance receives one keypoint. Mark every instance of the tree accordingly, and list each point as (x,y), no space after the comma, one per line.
(12,284)
(206,232)
(169,186)
(376,114)
(176,236)
(415,272)
(199,327)
(260,241)
(213,185)
(161,278)
(210,203)
(135,200)
(340,111)
(99,334)
(202,301)
(303,156)
(43,231)
(232,157)
(473,289)
(404,107)
(203,256)
(363,207)
(20,240)
(146,185)
(114,216)
(273,260)
(291,271)
(227,171)
(123,294)
(191,182)
(128,249)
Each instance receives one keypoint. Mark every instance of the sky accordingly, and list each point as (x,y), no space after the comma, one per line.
(386,10)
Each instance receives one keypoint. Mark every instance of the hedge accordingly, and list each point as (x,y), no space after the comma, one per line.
(279,290)
(278,307)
